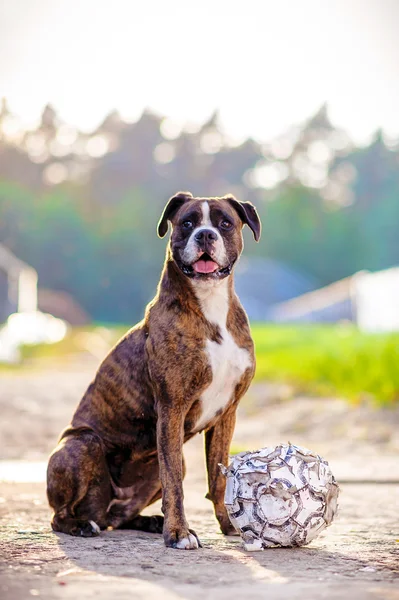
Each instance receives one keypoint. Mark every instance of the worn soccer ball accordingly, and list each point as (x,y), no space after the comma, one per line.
(283,496)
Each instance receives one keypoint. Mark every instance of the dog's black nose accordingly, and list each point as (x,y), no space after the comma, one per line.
(206,235)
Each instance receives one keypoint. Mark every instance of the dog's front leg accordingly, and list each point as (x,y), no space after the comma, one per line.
(176,532)
(217,445)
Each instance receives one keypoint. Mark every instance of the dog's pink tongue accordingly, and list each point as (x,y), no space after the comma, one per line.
(205,266)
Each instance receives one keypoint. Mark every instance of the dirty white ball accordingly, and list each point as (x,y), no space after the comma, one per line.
(283,496)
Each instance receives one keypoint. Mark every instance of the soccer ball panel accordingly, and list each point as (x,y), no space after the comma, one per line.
(283,496)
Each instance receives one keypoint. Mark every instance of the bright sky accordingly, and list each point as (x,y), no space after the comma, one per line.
(265,64)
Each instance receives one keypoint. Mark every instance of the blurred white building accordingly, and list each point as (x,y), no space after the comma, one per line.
(371,300)
(376,297)
(18,285)
(23,322)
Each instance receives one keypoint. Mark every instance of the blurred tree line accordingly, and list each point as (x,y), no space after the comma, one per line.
(82,207)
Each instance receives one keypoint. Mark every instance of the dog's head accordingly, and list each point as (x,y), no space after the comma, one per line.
(206,238)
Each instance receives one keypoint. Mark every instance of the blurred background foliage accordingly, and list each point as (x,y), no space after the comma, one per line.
(82,208)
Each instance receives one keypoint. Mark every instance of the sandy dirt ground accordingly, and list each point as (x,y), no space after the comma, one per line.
(358,556)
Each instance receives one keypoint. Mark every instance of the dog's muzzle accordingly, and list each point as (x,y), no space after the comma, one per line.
(206,268)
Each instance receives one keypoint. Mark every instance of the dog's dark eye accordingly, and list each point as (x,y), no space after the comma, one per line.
(225,224)
(187,224)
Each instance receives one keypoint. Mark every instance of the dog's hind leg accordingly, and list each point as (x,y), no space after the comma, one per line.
(142,487)
(153,524)
(79,485)
(139,487)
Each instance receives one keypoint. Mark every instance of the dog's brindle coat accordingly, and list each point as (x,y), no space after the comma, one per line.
(182,370)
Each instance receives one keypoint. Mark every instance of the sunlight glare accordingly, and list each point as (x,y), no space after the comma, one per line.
(268,175)
(170,129)
(97,146)
(164,153)
(55,173)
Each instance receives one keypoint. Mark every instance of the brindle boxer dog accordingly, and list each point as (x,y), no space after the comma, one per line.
(182,370)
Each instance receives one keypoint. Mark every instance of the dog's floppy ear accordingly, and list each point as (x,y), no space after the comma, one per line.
(248,214)
(170,210)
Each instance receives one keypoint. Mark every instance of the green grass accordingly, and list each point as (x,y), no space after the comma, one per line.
(68,346)
(336,360)
(74,342)
(330,360)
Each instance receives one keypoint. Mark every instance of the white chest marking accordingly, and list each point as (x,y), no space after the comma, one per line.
(227,360)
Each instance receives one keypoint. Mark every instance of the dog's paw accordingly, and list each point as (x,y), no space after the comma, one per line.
(182,540)
(86,529)
(187,543)
(230,531)
(152,524)
(226,526)
(156,524)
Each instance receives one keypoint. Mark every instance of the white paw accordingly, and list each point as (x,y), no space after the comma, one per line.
(188,543)
(95,526)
